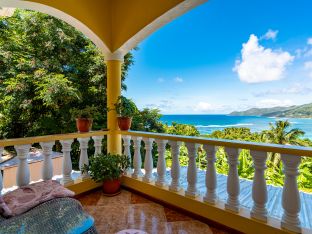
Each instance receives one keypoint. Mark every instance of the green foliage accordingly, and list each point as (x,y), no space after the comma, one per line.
(147,120)
(279,133)
(236,134)
(48,68)
(87,112)
(125,107)
(182,129)
(107,167)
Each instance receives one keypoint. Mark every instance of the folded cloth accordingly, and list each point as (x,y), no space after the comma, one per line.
(4,209)
(26,197)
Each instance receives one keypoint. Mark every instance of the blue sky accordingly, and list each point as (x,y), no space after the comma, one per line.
(227,55)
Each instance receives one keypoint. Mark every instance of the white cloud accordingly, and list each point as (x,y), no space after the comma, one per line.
(178,80)
(270,34)
(309,41)
(292,89)
(206,107)
(308,67)
(160,80)
(163,105)
(267,103)
(259,64)
(203,106)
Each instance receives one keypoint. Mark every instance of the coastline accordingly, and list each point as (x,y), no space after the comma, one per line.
(206,124)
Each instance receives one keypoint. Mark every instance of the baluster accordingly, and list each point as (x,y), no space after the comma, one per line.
(98,144)
(291,198)
(161,163)
(232,203)
(127,152)
(259,187)
(83,160)
(1,180)
(67,163)
(211,175)
(47,167)
(192,170)
(175,167)
(137,160)
(23,174)
(148,162)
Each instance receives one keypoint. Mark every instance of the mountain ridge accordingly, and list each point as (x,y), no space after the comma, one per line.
(295,111)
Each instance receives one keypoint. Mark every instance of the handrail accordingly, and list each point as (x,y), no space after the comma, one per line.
(47,138)
(275,148)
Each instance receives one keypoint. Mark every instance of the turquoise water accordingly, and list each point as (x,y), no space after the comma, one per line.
(209,123)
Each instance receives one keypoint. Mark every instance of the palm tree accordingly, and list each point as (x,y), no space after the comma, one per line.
(279,134)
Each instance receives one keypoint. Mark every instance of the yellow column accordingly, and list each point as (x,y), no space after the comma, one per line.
(113,91)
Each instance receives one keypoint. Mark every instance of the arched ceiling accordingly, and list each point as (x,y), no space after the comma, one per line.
(119,24)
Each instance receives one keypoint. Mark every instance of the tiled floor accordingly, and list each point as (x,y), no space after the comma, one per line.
(129,210)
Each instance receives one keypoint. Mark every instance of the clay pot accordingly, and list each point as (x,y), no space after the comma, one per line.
(84,124)
(124,123)
(111,187)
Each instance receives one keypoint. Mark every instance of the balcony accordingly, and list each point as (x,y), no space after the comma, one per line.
(246,206)
(239,204)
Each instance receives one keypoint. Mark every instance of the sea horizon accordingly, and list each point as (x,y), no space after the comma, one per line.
(207,123)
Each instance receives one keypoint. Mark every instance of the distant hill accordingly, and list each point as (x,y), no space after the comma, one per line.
(300,111)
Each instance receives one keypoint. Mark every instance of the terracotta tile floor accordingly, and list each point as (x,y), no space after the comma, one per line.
(129,210)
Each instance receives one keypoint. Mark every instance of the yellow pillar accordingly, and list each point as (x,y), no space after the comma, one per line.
(113,91)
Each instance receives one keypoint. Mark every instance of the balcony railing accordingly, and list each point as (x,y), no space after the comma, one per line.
(183,191)
(290,157)
(22,147)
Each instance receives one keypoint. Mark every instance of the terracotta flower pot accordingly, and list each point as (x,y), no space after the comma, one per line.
(84,124)
(111,187)
(124,123)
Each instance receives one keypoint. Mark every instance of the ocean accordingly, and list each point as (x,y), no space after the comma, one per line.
(209,123)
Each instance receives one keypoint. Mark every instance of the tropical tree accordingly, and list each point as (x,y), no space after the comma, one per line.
(47,68)
(279,133)
(182,129)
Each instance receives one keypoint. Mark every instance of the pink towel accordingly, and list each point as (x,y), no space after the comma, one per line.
(29,196)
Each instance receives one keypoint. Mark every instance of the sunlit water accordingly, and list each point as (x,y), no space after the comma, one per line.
(209,123)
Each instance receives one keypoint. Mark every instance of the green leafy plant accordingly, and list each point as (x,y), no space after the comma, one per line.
(125,107)
(87,112)
(104,167)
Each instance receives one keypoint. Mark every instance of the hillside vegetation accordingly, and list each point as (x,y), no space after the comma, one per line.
(300,111)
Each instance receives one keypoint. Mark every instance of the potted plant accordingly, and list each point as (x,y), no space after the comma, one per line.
(108,168)
(84,118)
(125,109)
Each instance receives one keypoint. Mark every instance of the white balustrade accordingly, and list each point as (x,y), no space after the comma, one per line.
(67,163)
(23,174)
(161,163)
(291,197)
(98,144)
(83,160)
(148,162)
(211,175)
(137,160)
(175,167)
(233,187)
(127,152)
(259,187)
(192,170)
(1,180)
(47,167)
